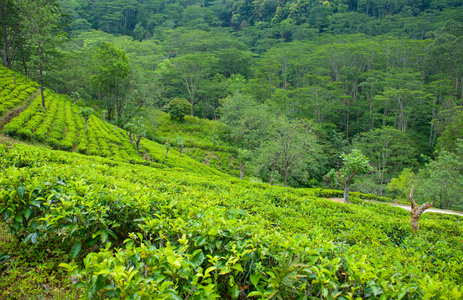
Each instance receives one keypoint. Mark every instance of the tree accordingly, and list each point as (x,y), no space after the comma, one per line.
(441,180)
(243,156)
(40,20)
(450,127)
(193,70)
(288,150)
(388,148)
(355,163)
(10,31)
(249,123)
(180,144)
(136,130)
(178,108)
(76,95)
(86,112)
(402,183)
(416,211)
(113,69)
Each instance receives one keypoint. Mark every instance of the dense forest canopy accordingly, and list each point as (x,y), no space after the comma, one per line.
(319,77)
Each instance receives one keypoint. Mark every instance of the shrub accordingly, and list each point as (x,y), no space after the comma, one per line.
(178,108)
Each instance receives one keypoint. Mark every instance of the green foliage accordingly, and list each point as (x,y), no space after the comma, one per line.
(178,234)
(354,163)
(388,150)
(441,180)
(178,108)
(113,69)
(86,112)
(402,183)
(14,94)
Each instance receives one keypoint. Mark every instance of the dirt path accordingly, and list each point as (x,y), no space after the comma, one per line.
(407,207)
(13,113)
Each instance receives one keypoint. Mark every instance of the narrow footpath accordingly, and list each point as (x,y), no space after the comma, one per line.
(407,207)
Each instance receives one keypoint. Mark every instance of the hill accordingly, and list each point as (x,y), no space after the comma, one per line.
(125,230)
(100,221)
(61,127)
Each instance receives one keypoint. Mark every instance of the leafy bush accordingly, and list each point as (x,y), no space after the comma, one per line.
(140,231)
(178,108)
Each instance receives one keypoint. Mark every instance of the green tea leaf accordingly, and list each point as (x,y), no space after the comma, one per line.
(21,191)
(34,238)
(28,213)
(75,249)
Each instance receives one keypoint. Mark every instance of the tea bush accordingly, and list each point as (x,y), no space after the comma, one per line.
(139,232)
(14,94)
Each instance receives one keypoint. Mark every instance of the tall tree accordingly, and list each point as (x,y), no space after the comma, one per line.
(288,151)
(193,70)
(10,31)
(40,23)
(441,181)
(389,150)
(113,69)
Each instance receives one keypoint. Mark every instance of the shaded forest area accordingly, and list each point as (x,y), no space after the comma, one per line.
(296,83)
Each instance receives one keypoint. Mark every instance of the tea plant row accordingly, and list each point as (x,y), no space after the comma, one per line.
(14,89)
(61,127)
(142,232)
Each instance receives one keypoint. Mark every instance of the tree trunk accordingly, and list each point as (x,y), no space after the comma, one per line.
(86,121)
(41,77)
(115,107)
(347,187)
(6,58)
(167,153)
(23,58)
(346,191)
(415,211)
(138,144)
(241,170)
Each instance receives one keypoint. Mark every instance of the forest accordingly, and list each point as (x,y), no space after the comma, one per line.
(320,77)
(195,149)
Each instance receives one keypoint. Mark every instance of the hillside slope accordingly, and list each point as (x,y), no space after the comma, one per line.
(61,127)
(136,231)
(122,225)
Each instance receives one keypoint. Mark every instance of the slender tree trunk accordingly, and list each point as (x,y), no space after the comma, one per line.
(138,144)
(192,107)
(6,58)
(86,121)
(347,120)
(115,106)
(347,187)
(346,191)
(41,76)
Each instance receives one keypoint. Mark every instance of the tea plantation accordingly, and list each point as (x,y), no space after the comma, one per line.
(99,221)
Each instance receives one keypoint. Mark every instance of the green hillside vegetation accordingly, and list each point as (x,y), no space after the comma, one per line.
(193,149)
(133,231)
(204,140)
(15,89)
(61,127)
